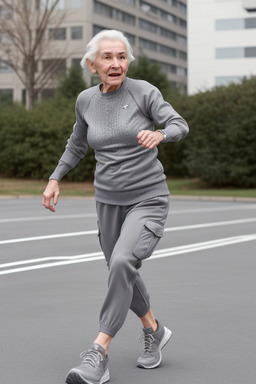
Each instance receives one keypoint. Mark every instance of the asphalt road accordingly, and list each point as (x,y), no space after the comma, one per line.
(201,278)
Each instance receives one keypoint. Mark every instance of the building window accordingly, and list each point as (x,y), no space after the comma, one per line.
(250,51)
(168,51)
(103,9)
(181,71)
(6,95)
(169,17)
(75,4)
(106,10)
(147,26)
(174,3)
(182,55)
(235,52)
(225,25)
(182,7)
(154,11)
(76,63)
(123,17)
(150,27)
(250,23)
(231,24)
(131,3)
(167,33)
(148,44)
(130,37)
(225,80)
(76,33)
(152,46)
(58,34)
(182,40)
(182,23)
(229,53)
(56,66)
(5,68)
(97,29)
(42,4)
(148,8)
(166,67)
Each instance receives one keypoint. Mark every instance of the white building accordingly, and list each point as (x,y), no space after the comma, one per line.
(221,42)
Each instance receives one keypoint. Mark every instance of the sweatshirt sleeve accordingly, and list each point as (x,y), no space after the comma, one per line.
(163,114)
(76,147)
(151,101)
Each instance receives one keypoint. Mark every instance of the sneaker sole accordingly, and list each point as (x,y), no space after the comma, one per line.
(74,377)
(166,338)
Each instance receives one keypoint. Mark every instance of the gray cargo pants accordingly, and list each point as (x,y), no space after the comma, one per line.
(128,235)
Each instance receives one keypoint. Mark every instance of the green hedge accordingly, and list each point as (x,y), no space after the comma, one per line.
(32,142)
(221,146)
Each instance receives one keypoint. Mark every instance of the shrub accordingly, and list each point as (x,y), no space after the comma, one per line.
(220,148)
(33,141)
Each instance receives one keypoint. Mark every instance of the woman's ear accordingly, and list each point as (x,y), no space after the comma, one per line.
(91,66)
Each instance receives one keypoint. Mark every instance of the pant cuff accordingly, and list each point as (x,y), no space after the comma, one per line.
(108,330)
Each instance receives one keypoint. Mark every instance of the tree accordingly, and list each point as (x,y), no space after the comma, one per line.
(145,69)
(72,83)
(26,31)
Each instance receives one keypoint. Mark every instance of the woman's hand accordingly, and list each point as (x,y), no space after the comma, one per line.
(52,191)
(149,139)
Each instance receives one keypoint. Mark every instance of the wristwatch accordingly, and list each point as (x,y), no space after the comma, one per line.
(164,135)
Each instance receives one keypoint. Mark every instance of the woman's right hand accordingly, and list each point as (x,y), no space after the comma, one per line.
(52,191)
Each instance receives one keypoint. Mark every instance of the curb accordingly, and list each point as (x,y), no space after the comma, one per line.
(214,198)
(175,197)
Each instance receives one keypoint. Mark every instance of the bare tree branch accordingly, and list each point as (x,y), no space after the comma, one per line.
(26,40)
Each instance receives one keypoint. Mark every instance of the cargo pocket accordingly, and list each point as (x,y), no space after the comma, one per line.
(148,239)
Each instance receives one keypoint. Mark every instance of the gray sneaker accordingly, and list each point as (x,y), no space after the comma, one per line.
(153,344)
(92,370)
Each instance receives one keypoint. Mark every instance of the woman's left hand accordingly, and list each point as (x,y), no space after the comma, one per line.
(149,139)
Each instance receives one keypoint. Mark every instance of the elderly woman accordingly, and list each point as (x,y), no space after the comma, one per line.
(116,118)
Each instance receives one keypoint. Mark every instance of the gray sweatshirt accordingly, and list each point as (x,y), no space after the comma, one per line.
(109,123)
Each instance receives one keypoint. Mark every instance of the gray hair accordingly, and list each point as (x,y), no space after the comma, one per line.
(107,34)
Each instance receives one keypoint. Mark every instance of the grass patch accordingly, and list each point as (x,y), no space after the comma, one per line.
(193,187)
(180,187)
(28,187)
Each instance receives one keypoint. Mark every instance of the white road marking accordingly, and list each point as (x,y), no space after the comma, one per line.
(87,215)
(40,259)
(47,237)
(168,252)
(43,218)
(93,232)
(214,224)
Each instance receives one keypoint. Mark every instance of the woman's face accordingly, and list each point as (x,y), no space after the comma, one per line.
(111,64)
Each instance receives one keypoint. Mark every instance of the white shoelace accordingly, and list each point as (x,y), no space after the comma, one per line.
(92,357)
(148,340)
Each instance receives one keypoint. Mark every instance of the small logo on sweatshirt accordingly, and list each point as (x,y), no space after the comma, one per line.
(125,106)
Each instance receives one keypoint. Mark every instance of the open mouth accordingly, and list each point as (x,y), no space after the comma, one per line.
(115,75)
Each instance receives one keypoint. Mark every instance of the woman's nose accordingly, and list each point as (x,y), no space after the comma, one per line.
(115,62)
